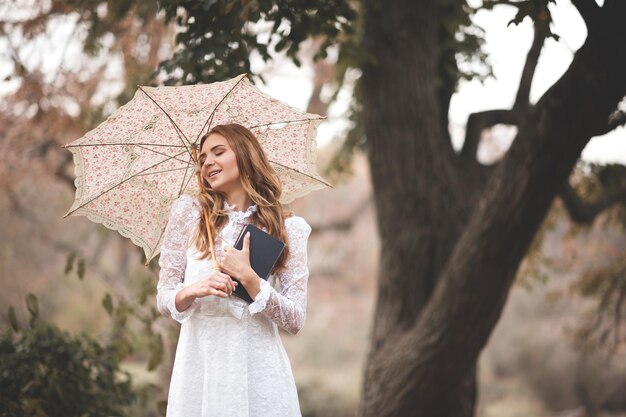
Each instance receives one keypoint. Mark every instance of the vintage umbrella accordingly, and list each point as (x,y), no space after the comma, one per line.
(131,168)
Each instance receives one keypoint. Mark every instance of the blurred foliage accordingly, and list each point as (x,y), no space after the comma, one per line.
(47,372)
(603,282)
(598,180)
(73,62)
(606,285)
(534,9)
(119,46)
(218,36)
(133,317)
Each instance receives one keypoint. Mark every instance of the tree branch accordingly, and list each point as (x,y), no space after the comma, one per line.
(532,58)
(478,122)
(616,120)
(585,212)
(589,11)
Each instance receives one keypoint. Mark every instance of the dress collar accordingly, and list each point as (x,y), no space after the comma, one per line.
(238,215)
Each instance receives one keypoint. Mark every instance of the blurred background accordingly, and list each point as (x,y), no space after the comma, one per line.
(557,350)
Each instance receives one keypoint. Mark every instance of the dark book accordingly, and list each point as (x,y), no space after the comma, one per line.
(265,250)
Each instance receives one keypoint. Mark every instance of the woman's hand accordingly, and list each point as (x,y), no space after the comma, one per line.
(236,263)
(217,284)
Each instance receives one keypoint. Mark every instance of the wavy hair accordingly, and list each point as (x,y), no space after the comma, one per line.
(260,182)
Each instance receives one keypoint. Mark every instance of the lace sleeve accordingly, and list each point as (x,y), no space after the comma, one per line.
(287,308)
(173,259)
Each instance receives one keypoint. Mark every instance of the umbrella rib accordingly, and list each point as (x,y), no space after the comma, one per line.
(182,186)
(181,135)
(122,144)
(187,184)
(143,146)
(162,154)
(281,123)
(210,119)
(301,173)
(159,172)
(122,182)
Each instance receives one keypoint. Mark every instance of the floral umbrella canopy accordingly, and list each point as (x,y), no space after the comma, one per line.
(131,168)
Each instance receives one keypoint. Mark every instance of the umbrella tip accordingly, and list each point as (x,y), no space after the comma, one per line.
(69,213)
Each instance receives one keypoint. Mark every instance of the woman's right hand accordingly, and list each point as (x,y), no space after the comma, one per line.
(217,283)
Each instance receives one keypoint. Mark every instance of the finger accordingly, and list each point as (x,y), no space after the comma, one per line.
(227,288)
(225,285)
(218,285)
(218,293)
(246,241)
(228,281)
(209,290)
(224,275)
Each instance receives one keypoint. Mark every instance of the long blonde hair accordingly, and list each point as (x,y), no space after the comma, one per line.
(260,182)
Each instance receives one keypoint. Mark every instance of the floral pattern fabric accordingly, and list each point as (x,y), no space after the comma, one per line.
(131,168)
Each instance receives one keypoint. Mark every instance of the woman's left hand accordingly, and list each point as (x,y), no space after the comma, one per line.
(236,263)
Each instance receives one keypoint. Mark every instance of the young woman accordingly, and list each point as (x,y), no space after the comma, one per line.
(230,361)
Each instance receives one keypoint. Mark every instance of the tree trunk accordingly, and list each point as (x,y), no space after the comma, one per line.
(449,254)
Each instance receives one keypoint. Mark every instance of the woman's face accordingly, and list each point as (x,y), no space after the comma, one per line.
(219,164)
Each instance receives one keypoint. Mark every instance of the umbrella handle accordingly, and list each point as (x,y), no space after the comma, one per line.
(214,263)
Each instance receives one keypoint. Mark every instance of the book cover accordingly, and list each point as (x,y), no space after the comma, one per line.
(265,250)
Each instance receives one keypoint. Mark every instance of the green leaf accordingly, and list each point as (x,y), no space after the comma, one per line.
(81,269)
(121,315)
(32,305)
(107,303)
(13,319)
(69,263)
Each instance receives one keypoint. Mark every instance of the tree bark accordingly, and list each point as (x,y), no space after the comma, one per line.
(449,254)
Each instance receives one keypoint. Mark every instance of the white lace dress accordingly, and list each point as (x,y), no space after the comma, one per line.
(230,361)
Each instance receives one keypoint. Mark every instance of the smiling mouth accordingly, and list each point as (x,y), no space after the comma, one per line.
(214,173)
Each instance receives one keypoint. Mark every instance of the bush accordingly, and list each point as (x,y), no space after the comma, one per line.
(47,372)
